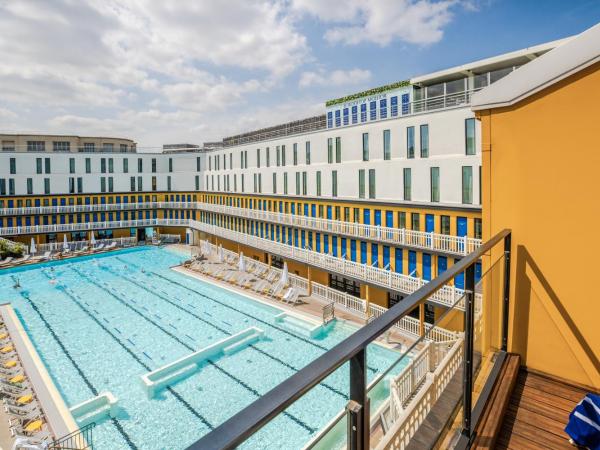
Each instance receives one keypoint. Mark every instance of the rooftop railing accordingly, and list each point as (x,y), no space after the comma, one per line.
(390,410)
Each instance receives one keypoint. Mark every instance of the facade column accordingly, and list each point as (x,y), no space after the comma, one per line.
(422,319)
(367,299)
(269,259)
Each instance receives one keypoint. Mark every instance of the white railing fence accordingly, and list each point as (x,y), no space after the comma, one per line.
(78,245)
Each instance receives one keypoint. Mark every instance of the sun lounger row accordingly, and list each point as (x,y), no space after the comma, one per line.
(26,419)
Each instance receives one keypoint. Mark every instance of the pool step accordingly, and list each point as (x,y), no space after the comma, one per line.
(184,367)
(96,409)
(299,324)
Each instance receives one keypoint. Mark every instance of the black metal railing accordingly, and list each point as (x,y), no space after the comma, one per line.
(248,421)
(81,439)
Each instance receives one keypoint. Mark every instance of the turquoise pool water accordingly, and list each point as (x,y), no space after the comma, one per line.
(101,322)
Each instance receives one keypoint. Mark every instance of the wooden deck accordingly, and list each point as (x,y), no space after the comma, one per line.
(537,414)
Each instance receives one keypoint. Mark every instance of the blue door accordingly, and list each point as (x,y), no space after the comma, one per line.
(461,226)
(54,202)
(303,237)
(374,255)
(398,262)
(442,264)
(63,202)
(389,219)
(310,240)
(11,203)
(306,209)
(37,202)
(363,252)
(28,221)
(296,237)
(326,244)
(378,217)
(293,208)
(353,250)
(313,210)
(280,206)
(318,239)
(329,212)
(367,216)
(412,263)
(429,223)
(277,233)
(125,200)
(62,218)
(427,266)
(459,280)
(386,257)
(103,200)
(334,244)
(344,243)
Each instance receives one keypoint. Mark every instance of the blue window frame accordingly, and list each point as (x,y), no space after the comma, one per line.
(330,119)
(377,217)
(310,240)
(367,216)
(318,242)
(386,257)
(353,250)
(459,280)
(334,245)
(303,238)
(389,219)
(412,263)
(338,120)
(383,108)
(427,266)
(345,116)
(373,110)
(394,106)
(363,112)
(398,260)
(405,104)
(442,264)
(355,114)
(343,247)
(326,244)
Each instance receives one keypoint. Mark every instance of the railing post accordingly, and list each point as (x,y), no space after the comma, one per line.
(468,351)
(506,299)
(359,434)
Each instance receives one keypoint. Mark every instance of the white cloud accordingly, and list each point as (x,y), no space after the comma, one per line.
(334,78)
(6,114)
(419,22)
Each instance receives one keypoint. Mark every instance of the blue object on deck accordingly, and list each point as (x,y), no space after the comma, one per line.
(584,422)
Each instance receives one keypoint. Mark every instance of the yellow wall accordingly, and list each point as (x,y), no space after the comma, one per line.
(540,166)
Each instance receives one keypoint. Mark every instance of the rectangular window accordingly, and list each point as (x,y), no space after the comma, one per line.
(410,142)
(38,165)
(283,155)
(258,157)
(198,163)
(89,147)
(304,183)
(401,219)
(424,141)
(268,155)
(467,184)
(11,186)
(307,152)
(297,183)
(109,148)
(372,183)
(80,184)
(330,150)
(103,165)
(445,224)
(140,186)
(153,165)
(387,149)
(29,186)
(8,146)
(197,178)
(36,146)
(47,165)
(274,183)
(123,148)
(71,165)
(140,165)
(125,165)
(338,149)
(435,184)
(295,151)
(2,186)
(111,165)
(334,184)
(365,146)
(478,229)
(470,136)
(110,184)
(407,184)
(88,165)
(168,183)
(318,179)
(285,183)
(13,166)
(61,146)
(170,164)
(415,219)
(361,183)
(278,155)
(132,185)
(103,184)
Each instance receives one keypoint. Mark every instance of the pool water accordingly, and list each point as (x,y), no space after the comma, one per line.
(100,322)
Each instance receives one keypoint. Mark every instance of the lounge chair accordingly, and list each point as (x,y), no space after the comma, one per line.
(111,246)
(27,428)
(294,298)
(22,260)
(43,257)
(24,419)
(6,261)
(98,248)
(81,250)
(38,439)
(287,294)
(21,410)
(19,401)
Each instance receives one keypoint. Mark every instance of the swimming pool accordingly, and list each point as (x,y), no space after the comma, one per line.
(101,322)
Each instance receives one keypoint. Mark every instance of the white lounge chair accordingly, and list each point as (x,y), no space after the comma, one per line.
(111,246)
(22,260)
(6,261)
(98,248)
(43,257)
(81,250)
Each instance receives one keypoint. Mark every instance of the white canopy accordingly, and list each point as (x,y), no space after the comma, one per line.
(242,263)
(32,248)
(65,243)
(93,240)
(284,274)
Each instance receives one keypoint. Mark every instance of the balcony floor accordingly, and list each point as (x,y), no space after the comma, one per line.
(537,414)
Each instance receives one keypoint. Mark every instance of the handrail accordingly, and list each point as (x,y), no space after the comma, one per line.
(245,423)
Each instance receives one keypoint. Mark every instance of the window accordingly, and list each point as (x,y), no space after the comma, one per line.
(153,165)
(71,185)
(435,184)
(407,184)
(470,136)
(274,183)
(295,151)
(61,146)
(13,166)
(268,156)
(478,228)
(307,145)
(338,149)
(36,146)
(132,185)
(103,165)
(79,186)
(424,141)
(140,186)
(110,184)
(11,186)
(258,157)
(168,183)
(467,184)
(47,165)
(285,183)
(111,166)
(278,155)
(297,183)
(387,152)
(109,148)
(125,165)
(140,165)
(197,179)
(88,165)
(371,183)
(365,146)
(445,224)
(401,219)
(318,183)
(123,148)
(2,186)
(283,155)
(71,165)
(198,163)
(410,142)
(89,147)
(8,146)
(415,219)
(304,183)
(170,164)
(330,150)
(361,183)
(29,186)
(334,184)
(103,184)
(38,165)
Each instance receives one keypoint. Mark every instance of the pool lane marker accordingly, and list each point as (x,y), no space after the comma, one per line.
(212,363)
(85,379)
(228,333)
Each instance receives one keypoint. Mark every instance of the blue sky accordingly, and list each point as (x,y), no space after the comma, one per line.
(189,71)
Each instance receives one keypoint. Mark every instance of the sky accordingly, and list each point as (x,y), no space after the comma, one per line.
(194,71)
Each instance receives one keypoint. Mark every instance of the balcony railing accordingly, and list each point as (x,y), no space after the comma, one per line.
(414,390)
(430,241)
